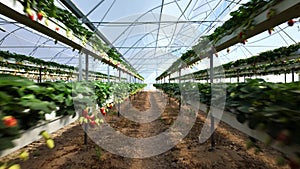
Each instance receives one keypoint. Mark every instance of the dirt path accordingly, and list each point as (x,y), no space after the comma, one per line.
(71,153)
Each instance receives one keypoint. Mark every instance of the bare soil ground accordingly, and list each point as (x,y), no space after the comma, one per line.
(71,153)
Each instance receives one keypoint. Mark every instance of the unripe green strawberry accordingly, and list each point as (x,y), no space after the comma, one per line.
(24,155)
(81,120)
(101,121)
(50,143)
(45,134)
(3,166)
(97,121)
(15,166)
(47,22)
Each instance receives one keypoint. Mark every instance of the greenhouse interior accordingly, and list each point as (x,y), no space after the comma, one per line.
(164,84)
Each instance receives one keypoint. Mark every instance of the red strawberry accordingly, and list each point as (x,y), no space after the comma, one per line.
(110,106)
(102,109)
(241,35)
(92,117)
(29,13)
(40,16)
(31,17)
(244,42)
(9,121)
(93,123)
(57,28)
(291,22)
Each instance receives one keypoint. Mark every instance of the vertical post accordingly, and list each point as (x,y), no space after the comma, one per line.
(86,78)
(212,120)
(80,68)
(108,75)
(119,103)
(86,67)
(40,75)
(293,77)
(284,77)
(179,76)
(169,78)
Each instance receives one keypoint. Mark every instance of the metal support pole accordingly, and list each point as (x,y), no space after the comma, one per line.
(293,77)
(179,76)
(212,120)
(86,67)
(284,77)
(86,78)
(108,74)
(119,103)
(80,68)
(40,75)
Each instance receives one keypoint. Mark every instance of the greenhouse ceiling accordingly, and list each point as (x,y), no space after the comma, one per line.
(150,35)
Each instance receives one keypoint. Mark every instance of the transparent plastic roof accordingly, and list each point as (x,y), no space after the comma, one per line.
(151,35)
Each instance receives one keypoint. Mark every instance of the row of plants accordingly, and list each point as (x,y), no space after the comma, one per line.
(46,9)
(31,64)
(24,103)
(269,107)
(277,61)
(112,53)
(261,70)
(243,17)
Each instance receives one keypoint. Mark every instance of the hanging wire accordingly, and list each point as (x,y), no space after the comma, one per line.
(106,13)
(283,38)
(247,50)
(286,34)
(35,49)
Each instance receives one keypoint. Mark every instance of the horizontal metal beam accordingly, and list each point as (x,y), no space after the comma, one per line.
(60,47)
(148,47)
(150,22)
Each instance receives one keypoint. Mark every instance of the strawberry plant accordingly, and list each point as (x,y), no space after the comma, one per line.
(25,103)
